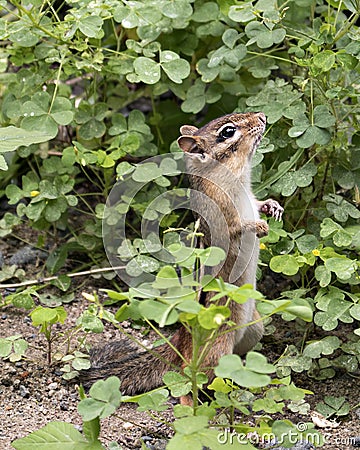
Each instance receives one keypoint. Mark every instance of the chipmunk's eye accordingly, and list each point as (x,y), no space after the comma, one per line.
(227,132)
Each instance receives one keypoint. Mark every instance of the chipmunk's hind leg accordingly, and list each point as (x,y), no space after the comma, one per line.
(251,336)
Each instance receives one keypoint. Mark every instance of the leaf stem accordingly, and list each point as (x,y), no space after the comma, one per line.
(56,277)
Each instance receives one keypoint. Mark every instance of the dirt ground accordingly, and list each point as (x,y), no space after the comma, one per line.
(33,394)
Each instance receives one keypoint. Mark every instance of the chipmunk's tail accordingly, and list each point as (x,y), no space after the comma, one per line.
(138,370)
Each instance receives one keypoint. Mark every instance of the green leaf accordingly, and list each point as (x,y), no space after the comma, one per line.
(307,243)
(299,308)
(177,9)
(213,317)
(242,13)
(254,374)
(166,277)
(5,347)
(325,346)
(105,398)
(93,128)
(333,406)
(62,435)
(89,322)
(147,70)
(230,37)
(175,68)
(41,315)
(324,60)
(140,264)
(23,34)
(343,267)
(195,98)
(3,163)
(177,383)
(322,117)
(313,135)
(11,137)
(61,111)
(332,310)
(154,401)
(264,37)
(163,313)
(90,25)
(146,172)
(323,275)
(286,264)
(341,238)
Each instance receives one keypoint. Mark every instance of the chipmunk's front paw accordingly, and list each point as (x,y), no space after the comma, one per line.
(272,208)
(262,228)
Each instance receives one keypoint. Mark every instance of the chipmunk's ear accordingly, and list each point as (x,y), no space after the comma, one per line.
(188,130)
(187,143)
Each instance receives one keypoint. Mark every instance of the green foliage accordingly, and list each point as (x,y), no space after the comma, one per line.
(104,399)
(13,347)
(90,88)
(62,435)
(333,406)
(74,363)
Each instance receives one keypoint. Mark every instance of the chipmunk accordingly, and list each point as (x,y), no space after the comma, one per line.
(218,160)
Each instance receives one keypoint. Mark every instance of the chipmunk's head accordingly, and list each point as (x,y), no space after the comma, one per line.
(231,140)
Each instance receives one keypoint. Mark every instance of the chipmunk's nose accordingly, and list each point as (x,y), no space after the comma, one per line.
(262,117)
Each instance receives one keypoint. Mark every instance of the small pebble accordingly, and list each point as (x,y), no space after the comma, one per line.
(301,445)
(64,406)
(53,386)
(24,392)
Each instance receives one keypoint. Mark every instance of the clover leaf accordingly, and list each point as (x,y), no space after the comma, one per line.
(105,398)
(91,120)
(253,374)
(242,13)
(198,95)
(263,36)
(90,25)
(148,71)
(340,237)
(341,208)
(325,346)
(308,133)
(324,60)
(290,181)
(41,114)
(133,135)
(276,99)
(332,307)
(286,264)
(175,67)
